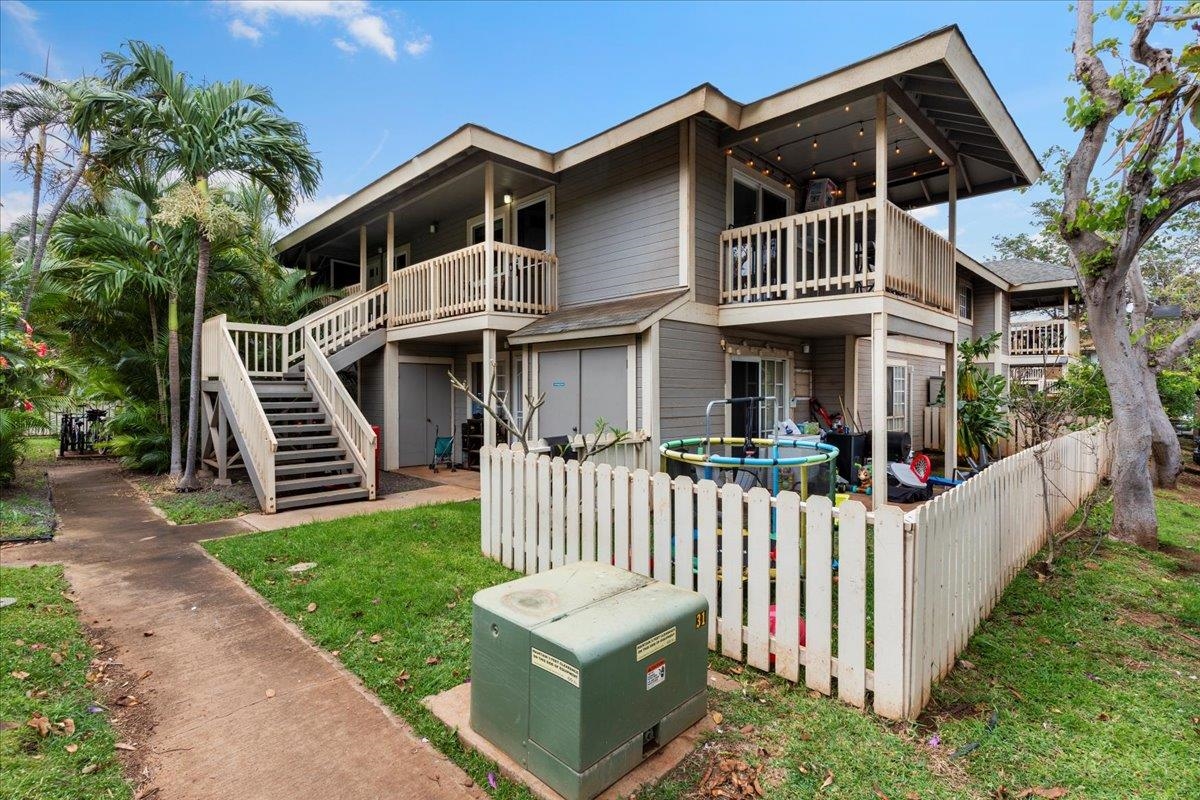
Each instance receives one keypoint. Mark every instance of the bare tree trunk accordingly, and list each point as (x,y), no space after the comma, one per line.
(39,168)
(174,380)
(40,245)
(189,482)
(1134,518)
(1165,453)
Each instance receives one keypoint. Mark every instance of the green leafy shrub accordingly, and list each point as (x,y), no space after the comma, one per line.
(139,437)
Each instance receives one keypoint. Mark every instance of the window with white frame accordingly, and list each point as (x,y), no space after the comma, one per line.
(899,393)
(773,380)
(966,299)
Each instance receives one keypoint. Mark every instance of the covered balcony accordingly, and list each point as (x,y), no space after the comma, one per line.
(1053,339)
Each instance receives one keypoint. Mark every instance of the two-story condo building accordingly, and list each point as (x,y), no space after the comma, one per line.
(703,249)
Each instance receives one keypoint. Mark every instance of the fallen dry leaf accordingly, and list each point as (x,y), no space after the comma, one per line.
(912,796)
(825,784)
(57,658)
(124,746)
(962,662)
(270,693)
(452,605)
(39,724)
(879,793)
(19,674)
(718,717)
(89,769)
(145,675)
(69,597)
(747,729)
(433,660)
(71,748)
(376,638)
(147,633)
(68,726)
(127,700)
(311,607)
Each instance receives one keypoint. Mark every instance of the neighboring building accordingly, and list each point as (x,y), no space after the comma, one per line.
(704,249)
(1043,330)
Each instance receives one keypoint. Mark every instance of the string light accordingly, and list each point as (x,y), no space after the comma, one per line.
(814,171)
(897,147)
(756,140)
(814,143)
(750,163)
(779,157)
(901,120)
(931,151)
(847,108)
(854,162)
(728,151)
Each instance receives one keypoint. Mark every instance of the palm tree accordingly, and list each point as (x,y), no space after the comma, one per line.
(222,130)
(124,251)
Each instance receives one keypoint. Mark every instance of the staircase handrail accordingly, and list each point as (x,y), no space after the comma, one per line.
(249,417)
(347,418)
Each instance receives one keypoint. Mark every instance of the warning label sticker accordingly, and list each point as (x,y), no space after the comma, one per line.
(655,643)
(656,673)
(555,666)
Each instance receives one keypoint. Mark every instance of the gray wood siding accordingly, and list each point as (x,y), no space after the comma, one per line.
(983,312)
(710,209)
(617,222)
(692,367)
(829,371)
(371,388)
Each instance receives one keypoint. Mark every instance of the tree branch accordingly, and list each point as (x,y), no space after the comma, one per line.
(1178,197)
(1172,352)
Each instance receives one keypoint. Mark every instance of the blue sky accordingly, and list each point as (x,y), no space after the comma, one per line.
(376,82)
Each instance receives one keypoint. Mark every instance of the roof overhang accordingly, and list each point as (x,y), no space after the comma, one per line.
(621,317)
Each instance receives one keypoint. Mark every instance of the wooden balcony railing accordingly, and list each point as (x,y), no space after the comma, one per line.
(832,252)
(523,281)
(1051,337)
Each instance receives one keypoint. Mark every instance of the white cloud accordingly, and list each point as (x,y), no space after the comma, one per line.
(362,25)
(25,19)
(418,45)
(240,29)
(313,208)
(14,205)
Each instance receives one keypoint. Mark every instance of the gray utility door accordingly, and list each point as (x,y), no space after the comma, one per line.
(582,386)
(424,409)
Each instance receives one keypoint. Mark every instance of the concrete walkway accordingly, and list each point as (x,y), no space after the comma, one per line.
(215,651)
(392,502)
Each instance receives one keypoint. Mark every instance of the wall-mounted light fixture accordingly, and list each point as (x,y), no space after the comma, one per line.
(433,226)
(508,197)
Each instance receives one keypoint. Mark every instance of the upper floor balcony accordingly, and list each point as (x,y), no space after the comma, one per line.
(833,252)
(1051,339)
(519,280)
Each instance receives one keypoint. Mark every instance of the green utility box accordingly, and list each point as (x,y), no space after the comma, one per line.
(582,672)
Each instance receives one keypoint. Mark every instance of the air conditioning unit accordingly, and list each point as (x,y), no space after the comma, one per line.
(582,672)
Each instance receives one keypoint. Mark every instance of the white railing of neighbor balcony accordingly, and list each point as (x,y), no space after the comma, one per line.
(525,281)
(1050,337)
(221,359)
(831,251)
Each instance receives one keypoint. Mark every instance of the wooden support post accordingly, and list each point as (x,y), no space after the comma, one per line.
(221,445)
(950,409)
(489,252)
(952,206)
(390,254)
(850,375)
(489,372)
(881,179)
(362,257)
(391,405)
(879,396)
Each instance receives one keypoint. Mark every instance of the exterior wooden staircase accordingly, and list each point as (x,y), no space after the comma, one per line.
(312,466)
(272,393)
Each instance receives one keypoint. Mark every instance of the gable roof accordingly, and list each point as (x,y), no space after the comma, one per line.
(939,56)
(1024,271)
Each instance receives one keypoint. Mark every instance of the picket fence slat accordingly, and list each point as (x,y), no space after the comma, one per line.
(787,589)
(851,606)
(730,610)
(818,586)
(685,526)
(758,577)
(662,527)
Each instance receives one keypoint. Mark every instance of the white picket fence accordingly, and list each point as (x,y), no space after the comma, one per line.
(970,542)
(540,513)
(886,602)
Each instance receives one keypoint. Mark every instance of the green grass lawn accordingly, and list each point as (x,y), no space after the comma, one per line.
(25,509)
(45,659)
(208,504)
(1088,677)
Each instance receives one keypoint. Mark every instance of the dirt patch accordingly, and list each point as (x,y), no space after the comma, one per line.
(396,482)
(122,698)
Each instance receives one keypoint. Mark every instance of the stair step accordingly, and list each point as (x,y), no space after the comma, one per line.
(311,455)
(286,416)
(306,467)
(306,441)
(316,482)
(290,390)
(289,405)
(320,498)
(301,428)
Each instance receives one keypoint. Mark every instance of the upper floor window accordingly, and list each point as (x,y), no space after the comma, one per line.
(966,299)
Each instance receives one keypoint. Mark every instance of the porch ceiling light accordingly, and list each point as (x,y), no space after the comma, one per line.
(508,197)
(433,226)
